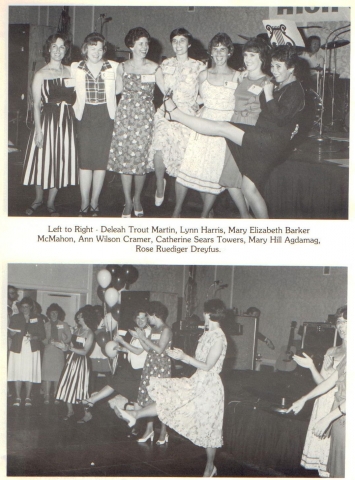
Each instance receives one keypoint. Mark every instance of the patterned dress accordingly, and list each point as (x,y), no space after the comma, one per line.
(316,450)
(170,138)
(55,165)
(133,131)
(156,365)
(194,406)
(74,381)
(204,156)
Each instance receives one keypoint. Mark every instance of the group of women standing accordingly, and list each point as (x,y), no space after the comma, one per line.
(132,140)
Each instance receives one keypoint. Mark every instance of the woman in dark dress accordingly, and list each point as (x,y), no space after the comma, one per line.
(51,156)
(260,148)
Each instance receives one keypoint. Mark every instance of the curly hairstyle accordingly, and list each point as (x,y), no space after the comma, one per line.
(54,307)
(89,317)
(217,310)
(92,39)
(182,32)
(221,39)
(288,55)
(258,45)
(52,39)
(135,34)
(158,309)
(342,312)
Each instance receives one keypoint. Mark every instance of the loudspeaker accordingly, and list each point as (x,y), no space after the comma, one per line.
(241,348)
(317,338)
(130,301)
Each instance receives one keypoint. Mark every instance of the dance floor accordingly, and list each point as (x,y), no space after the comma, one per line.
(41,443)
(312,183)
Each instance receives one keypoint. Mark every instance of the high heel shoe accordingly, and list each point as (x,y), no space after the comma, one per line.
(214,472)
(138,213)
(126,215)
(168,96)
(163,442)
(84,212)
(150,437)
(95,212)
(160,200)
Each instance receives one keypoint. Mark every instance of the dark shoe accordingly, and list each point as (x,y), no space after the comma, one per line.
(53,212)
(95,212)
(85,212)
(33,208)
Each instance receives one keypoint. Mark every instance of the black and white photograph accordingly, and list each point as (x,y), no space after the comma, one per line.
(176,370)
(224,112)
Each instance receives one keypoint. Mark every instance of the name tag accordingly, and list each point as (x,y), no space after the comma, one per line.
(33,320)
(255,89)
(80,340)
(60,327)
(108,75)
(148,78)
(155,336)
(122,333)
(169,70)
(231,85)
(69,82)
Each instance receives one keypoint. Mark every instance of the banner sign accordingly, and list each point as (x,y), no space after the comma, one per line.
(311,14)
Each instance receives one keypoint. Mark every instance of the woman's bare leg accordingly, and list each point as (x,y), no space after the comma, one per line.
(162,432)
(211,453)
(85,180)
(238,198)
(97,183)
(254,198)
(138,187)
(208,201)
(51,197)
(180,193)
(159,168)
(127,190)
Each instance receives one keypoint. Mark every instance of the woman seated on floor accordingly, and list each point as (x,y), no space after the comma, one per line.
(258,149)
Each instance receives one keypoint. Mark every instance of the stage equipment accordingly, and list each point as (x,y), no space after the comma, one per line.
(130,301)
(241,350)
(317,338)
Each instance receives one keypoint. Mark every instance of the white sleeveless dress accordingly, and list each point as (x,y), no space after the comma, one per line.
(203,162)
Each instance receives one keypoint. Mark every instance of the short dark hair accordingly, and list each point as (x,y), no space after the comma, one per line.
(89,317)
(311,38)
(52,39)
(26,300)
(221,39)
(288,55)
(342,312)
(11,286)
(158,309)
(258,45)
(182,32)
(92,39)
(135,34)
(216,309)
(253,312)
(54,307)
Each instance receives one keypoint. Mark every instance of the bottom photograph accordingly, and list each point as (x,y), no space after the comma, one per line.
(182,371)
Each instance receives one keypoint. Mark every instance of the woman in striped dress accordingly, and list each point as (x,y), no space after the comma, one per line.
(51,155)
(74,381)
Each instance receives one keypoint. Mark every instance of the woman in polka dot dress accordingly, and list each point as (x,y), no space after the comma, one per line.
(157,363)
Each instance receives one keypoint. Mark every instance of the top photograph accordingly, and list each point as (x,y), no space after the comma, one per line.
(179,112)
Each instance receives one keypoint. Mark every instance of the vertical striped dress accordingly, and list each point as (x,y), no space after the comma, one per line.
(74,381)
(55,165)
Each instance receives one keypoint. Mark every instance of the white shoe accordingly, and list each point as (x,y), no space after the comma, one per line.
(160,200)
(163,442)
(150,436)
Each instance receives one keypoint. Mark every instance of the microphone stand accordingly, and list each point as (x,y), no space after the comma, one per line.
(321,138)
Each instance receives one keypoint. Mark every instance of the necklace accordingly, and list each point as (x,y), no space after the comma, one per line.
(60,70)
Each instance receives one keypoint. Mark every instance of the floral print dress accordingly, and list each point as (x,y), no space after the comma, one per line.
(171,138)
(133,130)
(194,406)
